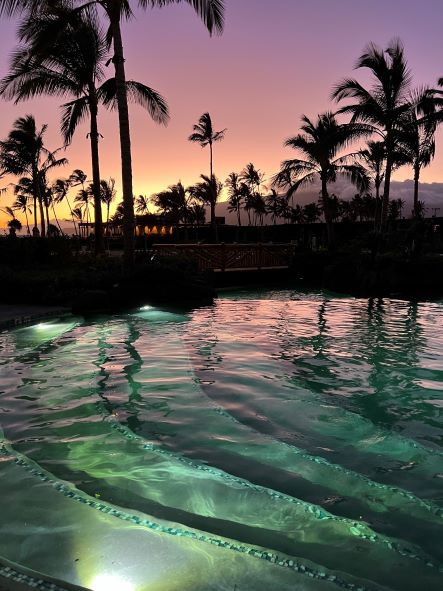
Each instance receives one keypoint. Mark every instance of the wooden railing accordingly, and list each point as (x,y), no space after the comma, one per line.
(222,257)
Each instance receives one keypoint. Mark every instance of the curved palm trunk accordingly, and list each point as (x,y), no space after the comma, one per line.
(327,212)
(93,136)
(42,218)
(72,215)
(56,218)
(27,222)
(238,216)
(125,143)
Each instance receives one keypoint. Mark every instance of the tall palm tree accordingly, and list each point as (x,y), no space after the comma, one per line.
(23,153)
(320,143)
(74,65)
(204,134)
(384,105)
(212,14)
(417,140)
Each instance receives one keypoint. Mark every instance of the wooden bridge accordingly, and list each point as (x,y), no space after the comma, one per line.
(231,257)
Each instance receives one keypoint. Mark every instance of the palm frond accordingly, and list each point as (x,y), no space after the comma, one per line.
(73,113)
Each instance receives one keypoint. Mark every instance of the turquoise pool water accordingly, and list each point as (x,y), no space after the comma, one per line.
(277,440)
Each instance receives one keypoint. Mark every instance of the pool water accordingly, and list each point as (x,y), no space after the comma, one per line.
(277,440)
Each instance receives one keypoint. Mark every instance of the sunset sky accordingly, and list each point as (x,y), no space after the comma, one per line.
(276,60)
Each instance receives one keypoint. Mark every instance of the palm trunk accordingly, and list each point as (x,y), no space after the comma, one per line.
(238,217)
(386,191)
(377,215)
(98,224)
(327,212)
(42,218)
(72,215)
(27,222)
(125,143)
(47,218)
(388,174)
(35,211)
(56,218)
(213,196)
(39,197)
(416,181)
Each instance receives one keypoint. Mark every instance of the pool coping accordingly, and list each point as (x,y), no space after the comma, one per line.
(14,577)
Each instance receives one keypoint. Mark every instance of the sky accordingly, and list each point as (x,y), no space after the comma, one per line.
(276,60)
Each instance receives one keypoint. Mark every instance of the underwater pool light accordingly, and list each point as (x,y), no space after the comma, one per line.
(105,582)
(144,308)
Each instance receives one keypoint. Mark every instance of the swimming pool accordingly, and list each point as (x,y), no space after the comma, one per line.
(275,440)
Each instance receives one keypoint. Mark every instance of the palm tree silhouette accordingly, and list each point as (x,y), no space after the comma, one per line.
(60,189)
(23,193)
(173,202)
(212,14)
(374,157)
(320,144)
(73,65)
(207,192)
(23,153)
(107,196)
(142,204)
(383,106)
(273,205)
(205,135)
(235,194)
(417,140)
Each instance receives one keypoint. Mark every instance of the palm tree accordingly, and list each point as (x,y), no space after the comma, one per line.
(320,143)
(417,141)
(23,153)
(273,205)
(142,205)
(205,135)
(173,202)
(207,192)
(383,106)
(252,179)
(107,196)
(374,157)
(74,65)
(212,14)
(311,213)
(235,194)
(60,189)
(23,193)
(83,197)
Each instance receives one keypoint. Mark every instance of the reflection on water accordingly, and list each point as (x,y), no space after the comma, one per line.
(295,435)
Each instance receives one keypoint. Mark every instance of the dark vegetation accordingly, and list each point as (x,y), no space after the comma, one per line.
(52,272)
